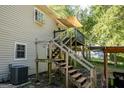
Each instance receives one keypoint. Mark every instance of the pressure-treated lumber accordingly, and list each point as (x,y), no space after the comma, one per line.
(66,69)
(36,51)
(114,49)
(37,72)
(50,62)
(105,69)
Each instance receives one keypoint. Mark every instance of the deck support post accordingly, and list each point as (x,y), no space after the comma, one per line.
(105,69)
(36,61)
(83,50)
(91,77)
(70,59)
(66,70)
(37,71)
(49,71)
(50,62)
(94,78)
(60,52)
(89,55)
(75,64)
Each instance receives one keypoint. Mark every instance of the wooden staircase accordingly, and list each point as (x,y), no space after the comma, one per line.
(79,79)
(75,76)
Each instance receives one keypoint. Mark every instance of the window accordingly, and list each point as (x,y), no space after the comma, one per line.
(38,16)
(20,51)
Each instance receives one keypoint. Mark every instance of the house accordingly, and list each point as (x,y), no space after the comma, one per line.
(20,26)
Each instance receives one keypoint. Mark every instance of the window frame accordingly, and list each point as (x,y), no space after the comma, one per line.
(15,51)
(36,21)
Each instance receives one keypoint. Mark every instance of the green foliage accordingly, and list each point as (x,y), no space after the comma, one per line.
(87,21)
(65,10)
(60,11)
(102,24)
(109,29)
(119,58)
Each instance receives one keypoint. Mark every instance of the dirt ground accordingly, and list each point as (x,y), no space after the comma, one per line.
(58,81)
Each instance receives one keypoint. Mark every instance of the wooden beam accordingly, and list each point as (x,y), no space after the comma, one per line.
(83,50)
(37,68)
(110,49)
(58,31)
(114,50)
(60,51)
(91,77)
(50,62)
(105,69)
(37,71)
(66,70)
(70,59)
(49,71)
(94,78)
(75,63)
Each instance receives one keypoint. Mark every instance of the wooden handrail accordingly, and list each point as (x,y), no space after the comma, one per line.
(59,35)
(72,54)
(59,46)
(81,58)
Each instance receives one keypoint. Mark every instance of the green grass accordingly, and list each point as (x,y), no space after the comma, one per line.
(99,63)
(109,64)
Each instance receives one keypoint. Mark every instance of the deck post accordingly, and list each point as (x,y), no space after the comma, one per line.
(37,71)
(60,51)
(105,69)
(70,59)
(83,50)
(89,55)
(36,61)
(60,55)
(66,70)
(75,64)
(49,71)
(50,62)
(94,78)
(91,77)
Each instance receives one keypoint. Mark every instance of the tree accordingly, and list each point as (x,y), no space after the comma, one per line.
(65,10)
(109,28)
(102,24)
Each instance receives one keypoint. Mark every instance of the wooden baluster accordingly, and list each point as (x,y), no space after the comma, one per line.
(36,61)
(37,71)
(66,70)
(91,77)
(50,62)
(105,69)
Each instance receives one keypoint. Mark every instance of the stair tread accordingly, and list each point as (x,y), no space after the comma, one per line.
(72,70)
(56,51)
(61,64)
(59,60)
(80,80)
(68,66)
(55,54)
(87,84)
(76,75)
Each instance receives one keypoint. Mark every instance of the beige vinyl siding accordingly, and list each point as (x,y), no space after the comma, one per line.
(17,25)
